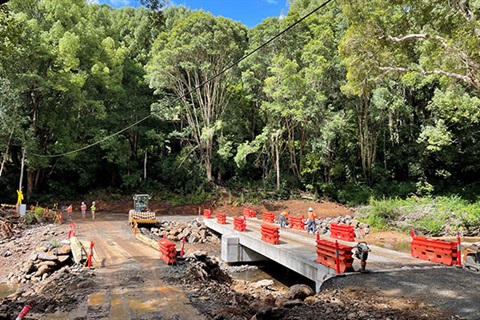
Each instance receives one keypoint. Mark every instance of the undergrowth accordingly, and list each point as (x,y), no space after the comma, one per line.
(433,216)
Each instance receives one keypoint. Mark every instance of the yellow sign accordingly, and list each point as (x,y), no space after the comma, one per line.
(20,197)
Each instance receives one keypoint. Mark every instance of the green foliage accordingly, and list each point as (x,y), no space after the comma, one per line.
(433,216)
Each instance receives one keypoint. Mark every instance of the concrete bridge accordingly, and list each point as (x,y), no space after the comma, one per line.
(297,251)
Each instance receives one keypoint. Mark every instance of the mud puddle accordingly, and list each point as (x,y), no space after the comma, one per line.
(7,289)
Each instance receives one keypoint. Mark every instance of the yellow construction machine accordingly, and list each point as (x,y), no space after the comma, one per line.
(471,258)
(141,214)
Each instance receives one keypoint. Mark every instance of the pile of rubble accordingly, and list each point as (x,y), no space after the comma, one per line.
(192,231)
(43,273)
(361,228)
(42,263)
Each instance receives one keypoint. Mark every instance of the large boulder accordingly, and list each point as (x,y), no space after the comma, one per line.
(299,291)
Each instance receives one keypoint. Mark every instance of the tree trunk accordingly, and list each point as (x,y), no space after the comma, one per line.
(277,162)
(22,166)
(5,156)
(145,166)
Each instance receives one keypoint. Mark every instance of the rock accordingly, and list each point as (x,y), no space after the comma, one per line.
(280,301)
(41,249)
(33,256)
(47,263)
(200,255)
(310,300)
(28,267)
(47,257)
(192,238)
(64,250)
(41,271)
(63,259)
(262,284)
(300,291)
(352,316)
(293,303)
(7,253)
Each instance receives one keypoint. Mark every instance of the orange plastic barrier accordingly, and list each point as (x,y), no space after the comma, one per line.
(249,213)
(221,218)
(207,213)
(342,232)
(334,255)
(268,217)
(270,234)
(239,224)
(296,223)
(168,253)
(441,251)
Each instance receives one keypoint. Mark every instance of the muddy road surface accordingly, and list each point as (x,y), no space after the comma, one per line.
(127,275)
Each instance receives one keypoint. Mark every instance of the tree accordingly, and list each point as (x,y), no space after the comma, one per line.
(187,68)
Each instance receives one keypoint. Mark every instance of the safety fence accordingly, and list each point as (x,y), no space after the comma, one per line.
(221,218)
(268,217)
(207,213)
(342,232)
(239,224)
(334,255)
(249,213)
(296,223)
(168,253)
(270,234)
(440,251)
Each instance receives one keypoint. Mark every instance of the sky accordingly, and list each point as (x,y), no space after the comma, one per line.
(248,12)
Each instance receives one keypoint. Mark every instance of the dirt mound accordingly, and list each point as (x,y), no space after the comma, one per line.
(296,207)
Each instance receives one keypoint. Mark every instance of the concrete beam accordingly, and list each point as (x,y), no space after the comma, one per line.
(248,246)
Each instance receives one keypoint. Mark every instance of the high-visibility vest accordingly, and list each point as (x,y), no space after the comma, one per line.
(285,214)
(311,215)
(84,207)
(70,208)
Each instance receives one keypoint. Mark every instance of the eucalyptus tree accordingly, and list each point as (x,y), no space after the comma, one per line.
(187,68)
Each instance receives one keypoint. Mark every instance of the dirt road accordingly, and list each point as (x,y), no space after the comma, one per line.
(128,276)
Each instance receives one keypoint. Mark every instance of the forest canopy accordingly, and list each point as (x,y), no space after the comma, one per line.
(361,98)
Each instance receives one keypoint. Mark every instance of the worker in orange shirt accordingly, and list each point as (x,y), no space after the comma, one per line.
(311,225)
(83,207)
(283,219)
(70,211)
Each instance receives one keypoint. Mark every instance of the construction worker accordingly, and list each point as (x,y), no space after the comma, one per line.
(70,211)
(283,219)
(311,225)
(93,209)
(83,207)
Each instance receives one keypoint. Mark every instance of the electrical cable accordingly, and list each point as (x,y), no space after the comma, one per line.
(195,88)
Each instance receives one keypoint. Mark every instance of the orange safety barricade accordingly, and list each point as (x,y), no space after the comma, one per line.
(239,224)
(249,213)
(221,218)
(168,253)
(207,213)
(268,217)
(342,232)
(328,256)
(296,223)
(440,251)
(270,234)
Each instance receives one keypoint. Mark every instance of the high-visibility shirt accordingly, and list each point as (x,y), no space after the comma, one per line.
(285,214)
(311,215)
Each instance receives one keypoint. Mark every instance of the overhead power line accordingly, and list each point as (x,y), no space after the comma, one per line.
(195,88)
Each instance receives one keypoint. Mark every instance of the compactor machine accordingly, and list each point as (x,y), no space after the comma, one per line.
(141,214)
(471,258)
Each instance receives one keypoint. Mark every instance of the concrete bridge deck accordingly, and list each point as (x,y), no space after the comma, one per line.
(297,251)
